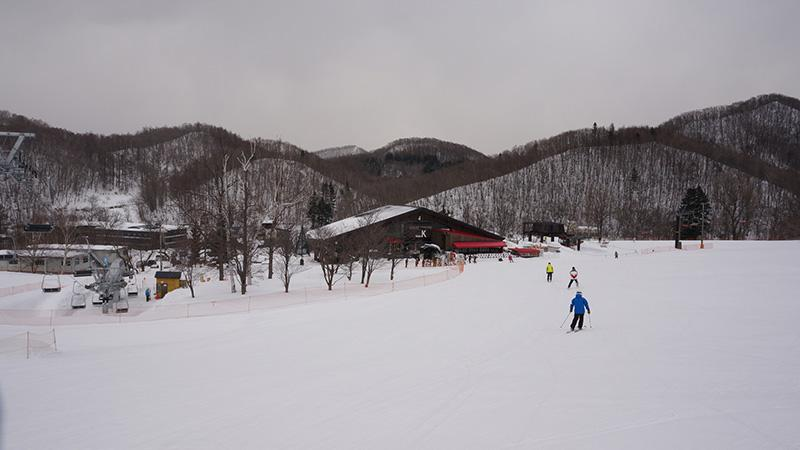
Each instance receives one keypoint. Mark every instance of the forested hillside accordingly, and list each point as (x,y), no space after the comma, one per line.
(624,190)
(630,182)
(627,181)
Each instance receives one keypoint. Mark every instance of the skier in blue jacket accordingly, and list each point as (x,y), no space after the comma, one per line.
(579,305)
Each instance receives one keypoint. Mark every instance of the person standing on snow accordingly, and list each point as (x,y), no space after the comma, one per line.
(549,271)
(573,275)
(580,306)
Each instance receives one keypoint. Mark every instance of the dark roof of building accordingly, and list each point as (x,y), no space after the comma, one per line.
(168,274)
(387,213)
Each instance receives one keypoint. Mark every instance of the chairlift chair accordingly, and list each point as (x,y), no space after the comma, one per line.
(132,288)
(78,296)
(51,283)
(121,306)
(97,299)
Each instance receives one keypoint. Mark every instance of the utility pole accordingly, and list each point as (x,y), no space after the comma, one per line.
(702,225)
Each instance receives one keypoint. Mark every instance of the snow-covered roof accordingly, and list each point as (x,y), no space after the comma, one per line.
(80,247)
(50,253)
(361,220)
(136,226)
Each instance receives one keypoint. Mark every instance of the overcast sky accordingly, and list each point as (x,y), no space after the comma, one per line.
(490,74)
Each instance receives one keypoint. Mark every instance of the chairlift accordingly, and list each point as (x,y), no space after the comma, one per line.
(97,299)
(132,287)
(51,283)
(79,293)
(121,306)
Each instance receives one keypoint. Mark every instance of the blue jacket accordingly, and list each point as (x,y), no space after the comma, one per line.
(580,305)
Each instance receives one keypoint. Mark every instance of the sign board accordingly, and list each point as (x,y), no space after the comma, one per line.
(418,230)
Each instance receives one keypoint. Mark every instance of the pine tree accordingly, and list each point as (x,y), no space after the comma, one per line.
(695,213)
(313,210)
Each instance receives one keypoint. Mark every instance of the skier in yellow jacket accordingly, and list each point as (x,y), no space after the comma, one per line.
(549,272)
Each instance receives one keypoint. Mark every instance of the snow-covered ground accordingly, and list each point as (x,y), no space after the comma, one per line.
(692,349)
(207,286)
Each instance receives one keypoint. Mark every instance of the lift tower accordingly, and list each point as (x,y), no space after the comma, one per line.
(10,160)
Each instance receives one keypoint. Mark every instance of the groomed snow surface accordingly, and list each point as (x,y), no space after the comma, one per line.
(690,349)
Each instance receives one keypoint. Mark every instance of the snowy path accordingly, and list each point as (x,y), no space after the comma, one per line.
(687,350)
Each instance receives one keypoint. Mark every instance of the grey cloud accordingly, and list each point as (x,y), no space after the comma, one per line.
(486,74)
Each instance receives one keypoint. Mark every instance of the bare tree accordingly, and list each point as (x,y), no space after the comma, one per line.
(598,207)
(285,252)
(737,198)
(65,223)
(395,256)
(247,226)
(31,246)
(328,253)
(285,193)
(187,263)
(371,245)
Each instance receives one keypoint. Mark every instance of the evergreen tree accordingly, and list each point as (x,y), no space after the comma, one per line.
(313,210)
(321,207)
(695,212)
(329,197)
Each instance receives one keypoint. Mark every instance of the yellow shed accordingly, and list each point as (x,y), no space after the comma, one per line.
(167,281)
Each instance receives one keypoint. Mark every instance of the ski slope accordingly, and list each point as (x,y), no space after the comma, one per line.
(692,349)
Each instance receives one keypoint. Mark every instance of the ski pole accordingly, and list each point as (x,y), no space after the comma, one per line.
(565,320)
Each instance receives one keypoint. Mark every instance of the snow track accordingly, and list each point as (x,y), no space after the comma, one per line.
(688,350)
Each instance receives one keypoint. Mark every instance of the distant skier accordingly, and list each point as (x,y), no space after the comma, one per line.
(147,295)
(573,275)
(580,306)
(510,259)
(549,271)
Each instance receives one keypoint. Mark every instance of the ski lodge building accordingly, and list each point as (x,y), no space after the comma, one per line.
(54,258)
(135,236)
(407,229)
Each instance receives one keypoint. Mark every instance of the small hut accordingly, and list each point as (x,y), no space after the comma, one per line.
(166,282)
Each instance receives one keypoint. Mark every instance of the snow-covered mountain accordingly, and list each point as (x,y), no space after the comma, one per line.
(414,156)
(338,152)
(746,155)
(766,127)
(626,190)
(630,182)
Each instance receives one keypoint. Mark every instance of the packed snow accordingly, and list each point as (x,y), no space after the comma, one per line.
(685,349)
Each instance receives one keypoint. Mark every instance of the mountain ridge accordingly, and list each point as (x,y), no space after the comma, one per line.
(759,137)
